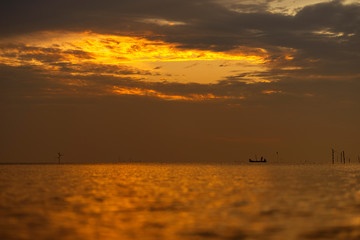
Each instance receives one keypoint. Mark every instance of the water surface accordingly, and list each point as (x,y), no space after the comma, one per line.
(174,201)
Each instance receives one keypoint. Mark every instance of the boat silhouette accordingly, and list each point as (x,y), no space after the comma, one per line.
(262,160)
(250,160)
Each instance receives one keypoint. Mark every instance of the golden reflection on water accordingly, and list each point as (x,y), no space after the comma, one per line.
(169,201)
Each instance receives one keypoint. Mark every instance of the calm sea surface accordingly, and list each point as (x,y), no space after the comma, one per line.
(173,201)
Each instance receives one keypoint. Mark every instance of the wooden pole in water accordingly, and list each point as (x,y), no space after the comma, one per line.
(341,157)
(332,155)
(59,156)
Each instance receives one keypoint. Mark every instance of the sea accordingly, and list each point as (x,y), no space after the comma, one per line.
(158,201)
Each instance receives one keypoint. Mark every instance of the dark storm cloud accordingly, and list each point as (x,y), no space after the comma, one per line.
(328,33)
(207,16)
(333,15)
(24,16)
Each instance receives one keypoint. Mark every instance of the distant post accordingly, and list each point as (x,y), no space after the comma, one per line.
(59,157)
(332,155)
(341,156)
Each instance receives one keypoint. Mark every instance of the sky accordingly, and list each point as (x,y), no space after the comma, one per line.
(179,80)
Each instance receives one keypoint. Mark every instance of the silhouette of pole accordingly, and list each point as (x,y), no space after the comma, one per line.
(332,155)
(341,157)
(59,157)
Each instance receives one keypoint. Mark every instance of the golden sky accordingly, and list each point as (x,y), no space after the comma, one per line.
(164,60)
(219,75)
(86,54)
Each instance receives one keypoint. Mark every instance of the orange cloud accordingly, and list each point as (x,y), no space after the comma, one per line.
(79,57)
(152,93)
(271,92)
(111,49)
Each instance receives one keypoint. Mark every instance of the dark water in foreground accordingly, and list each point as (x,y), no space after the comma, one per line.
(154,201)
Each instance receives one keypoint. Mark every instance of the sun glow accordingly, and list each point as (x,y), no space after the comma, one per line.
(85,57)
(110,49)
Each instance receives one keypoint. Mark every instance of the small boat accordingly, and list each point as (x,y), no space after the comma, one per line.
(264,161)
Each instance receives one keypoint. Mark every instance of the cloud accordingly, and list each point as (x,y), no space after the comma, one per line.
(91,81)
(316,47)
(208,25)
